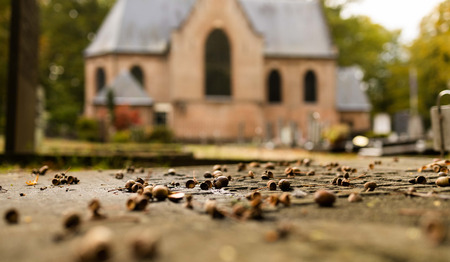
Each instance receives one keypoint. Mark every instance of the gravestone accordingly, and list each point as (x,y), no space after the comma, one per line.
(22,78)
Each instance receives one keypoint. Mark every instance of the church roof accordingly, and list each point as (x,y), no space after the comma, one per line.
(127,91)
(350,95)
(293,28)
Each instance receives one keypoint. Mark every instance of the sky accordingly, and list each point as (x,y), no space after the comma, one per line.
(395,14)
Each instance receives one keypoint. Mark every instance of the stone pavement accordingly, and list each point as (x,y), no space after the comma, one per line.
(387,225)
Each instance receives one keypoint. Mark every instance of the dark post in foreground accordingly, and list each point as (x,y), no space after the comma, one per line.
(22,78)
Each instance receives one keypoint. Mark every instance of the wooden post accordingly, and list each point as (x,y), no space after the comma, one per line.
(22,78)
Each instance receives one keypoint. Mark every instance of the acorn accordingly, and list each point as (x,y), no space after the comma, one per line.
(129,184)
(217,173)
(354,197)
(272,185)
(241,167)
(191,183)
(119,175)
(324,198)
(140,180)
(253,195)
(273,199)
(217,168)
(204,185)
(171,172)
(285,199)
(269,165)
(268,173)
(211,209)
(238,210)
(137,203)
(96,245)
(188,203)
(147,192)
(160,192)
(442,174)
(207,175)
(254,164)
(70,180)
(43,170)
(421,180)
(345,182)
(443,181)
(12,216)
(136,187)
(251,174)
(72,221)
(56,181)
(221,181)
(144,247)
(370,186)
(284,185)
(94,205)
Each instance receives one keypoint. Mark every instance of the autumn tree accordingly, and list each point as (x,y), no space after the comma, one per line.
(430,54)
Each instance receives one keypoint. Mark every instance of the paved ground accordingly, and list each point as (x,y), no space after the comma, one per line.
(386,226)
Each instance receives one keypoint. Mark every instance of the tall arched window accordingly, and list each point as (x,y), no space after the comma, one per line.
(100,79)
(137,73)
(217,65)
(274,87)
(310,85)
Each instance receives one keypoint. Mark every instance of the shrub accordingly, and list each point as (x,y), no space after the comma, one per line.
(121,137)
(88,129)
(161,134)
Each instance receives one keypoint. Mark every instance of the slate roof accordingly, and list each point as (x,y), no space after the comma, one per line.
(127,91)
(350,95)
(289,27)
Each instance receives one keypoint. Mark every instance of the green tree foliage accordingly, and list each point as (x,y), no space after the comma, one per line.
(67,27)
(430,54)
(5,12)
(375,50)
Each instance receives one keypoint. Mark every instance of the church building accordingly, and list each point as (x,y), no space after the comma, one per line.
(221,70)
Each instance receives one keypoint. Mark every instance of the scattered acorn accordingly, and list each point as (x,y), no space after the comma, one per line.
(71,221)
(96,245)
(285,199)
(144,247)
(137,203)
(324,198)
(284,185)
(370,186)
(12,216)
(160,192)
(221,181)
(354,197)
(443,181)
(272,185)
(191,183)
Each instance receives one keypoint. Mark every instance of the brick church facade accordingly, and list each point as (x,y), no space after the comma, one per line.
(222,70)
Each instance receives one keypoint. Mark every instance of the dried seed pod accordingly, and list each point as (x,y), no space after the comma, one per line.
(211,209)
(175,196)
(94,205)
(272,185)
(70,180)
(254,164)
(443,181)
(268,173)
(345,182)
(273,199)
(324,198)
(285,199)
(160,192)
(12,216)
(253,195)
(251,174)
(421,180)
(96,245)
(241,167)
(434,228)
(56,181)
(140,180)
(129,184)
(221,181)
(370,186)
(147,192)
(72,221)
(239,210)
(204,185)
(43,170)
(269,165)
(284,185)
(144,247)
(136,187)
(191,183)
(207,175)
(354,197)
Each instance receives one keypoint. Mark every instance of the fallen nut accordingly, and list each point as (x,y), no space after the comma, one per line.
(96,245)
(12,216)
(370,186)
(284,185)
(443,181)
(324,198)
(160,192)
(354,197)
(71,221)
